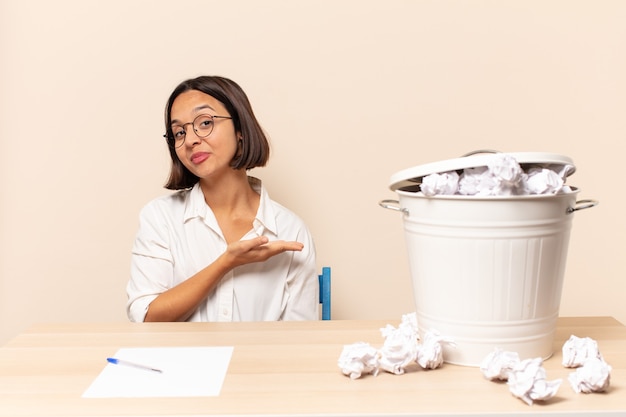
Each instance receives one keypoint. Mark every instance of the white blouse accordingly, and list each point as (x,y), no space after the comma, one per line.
(179,235)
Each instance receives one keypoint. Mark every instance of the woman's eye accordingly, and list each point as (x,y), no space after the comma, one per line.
(179,133)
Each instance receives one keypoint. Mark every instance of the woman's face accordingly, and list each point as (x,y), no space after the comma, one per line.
(203,156)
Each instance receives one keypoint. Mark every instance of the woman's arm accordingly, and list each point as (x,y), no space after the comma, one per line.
(180,302)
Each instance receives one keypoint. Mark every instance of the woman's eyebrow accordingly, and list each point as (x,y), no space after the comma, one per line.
(196,109)
(202,107)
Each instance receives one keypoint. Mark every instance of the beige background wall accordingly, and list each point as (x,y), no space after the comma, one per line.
(350,93)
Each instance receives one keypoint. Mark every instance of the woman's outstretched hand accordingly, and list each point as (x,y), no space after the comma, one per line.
(258,249)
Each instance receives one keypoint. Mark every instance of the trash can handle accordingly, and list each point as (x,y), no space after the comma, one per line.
(581,205)
(393,205)
(479,151)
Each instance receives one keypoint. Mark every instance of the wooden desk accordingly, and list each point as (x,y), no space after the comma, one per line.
(283,368)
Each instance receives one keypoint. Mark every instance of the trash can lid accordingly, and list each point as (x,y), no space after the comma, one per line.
(414,175)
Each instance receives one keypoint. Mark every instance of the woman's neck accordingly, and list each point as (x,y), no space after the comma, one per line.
(229,191)
(234,204)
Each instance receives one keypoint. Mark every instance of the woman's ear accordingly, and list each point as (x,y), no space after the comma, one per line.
(239,147)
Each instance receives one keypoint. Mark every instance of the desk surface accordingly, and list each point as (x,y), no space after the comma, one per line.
(283,368)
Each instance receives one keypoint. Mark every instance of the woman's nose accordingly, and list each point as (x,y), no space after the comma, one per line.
(191,137)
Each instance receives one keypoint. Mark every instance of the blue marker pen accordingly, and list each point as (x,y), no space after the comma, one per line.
(116,361)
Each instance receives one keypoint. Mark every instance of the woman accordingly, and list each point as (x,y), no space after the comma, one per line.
(219,249)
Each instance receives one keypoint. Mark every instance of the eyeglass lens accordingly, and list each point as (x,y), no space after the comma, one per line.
(202,125)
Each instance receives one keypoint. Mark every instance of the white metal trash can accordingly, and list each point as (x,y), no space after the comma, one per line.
(486,271)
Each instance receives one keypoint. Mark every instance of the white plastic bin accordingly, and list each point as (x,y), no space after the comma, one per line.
(486,271)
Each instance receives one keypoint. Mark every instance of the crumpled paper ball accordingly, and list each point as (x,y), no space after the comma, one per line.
(507,173)
(477,181)
(593,376)
(543,181)
(440,184)
(398,350)
(400,346)
(430,352)
(498,364)
(527,381)
(576,350)
(357,359)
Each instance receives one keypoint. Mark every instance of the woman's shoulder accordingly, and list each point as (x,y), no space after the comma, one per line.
(168,202)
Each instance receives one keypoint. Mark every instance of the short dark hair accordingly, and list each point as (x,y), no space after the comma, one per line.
(255,148)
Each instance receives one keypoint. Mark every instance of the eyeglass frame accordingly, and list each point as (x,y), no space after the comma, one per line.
(192,123)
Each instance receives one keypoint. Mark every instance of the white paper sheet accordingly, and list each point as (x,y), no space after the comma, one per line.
(186,372)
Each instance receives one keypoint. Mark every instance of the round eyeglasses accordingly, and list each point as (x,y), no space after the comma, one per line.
(202,125)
